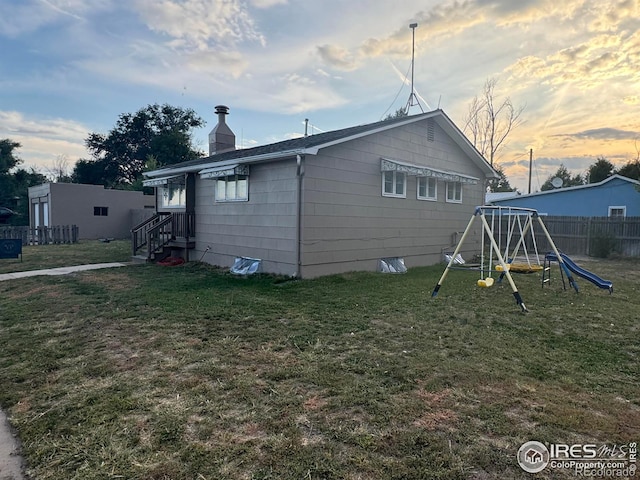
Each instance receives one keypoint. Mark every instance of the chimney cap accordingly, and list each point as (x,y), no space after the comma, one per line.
(222,109)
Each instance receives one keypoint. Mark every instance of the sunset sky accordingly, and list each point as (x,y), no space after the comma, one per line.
(70,67)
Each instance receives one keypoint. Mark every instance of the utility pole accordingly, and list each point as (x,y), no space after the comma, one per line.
(530,166)
(412,95)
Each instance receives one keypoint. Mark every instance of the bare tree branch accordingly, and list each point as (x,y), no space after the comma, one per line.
(489,122)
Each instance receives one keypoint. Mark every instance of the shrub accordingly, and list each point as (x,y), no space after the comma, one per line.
(603,244)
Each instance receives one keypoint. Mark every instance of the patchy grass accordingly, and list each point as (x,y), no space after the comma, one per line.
(147,372)
(36,257)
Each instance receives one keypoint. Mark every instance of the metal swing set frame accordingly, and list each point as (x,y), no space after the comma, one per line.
(504,259)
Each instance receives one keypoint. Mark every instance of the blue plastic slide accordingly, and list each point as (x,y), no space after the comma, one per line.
(581,272)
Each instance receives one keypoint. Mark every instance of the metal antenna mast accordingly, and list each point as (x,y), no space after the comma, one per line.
(412,96)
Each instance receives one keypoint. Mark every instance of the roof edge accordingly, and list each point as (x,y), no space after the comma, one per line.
(575,187)
(266,157)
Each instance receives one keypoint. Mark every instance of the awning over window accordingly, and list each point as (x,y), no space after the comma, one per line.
(387,165)
(156,182)
(224,171)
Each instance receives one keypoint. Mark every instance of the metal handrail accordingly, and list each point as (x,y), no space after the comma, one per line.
(159,235)
(161,229)
(139,232)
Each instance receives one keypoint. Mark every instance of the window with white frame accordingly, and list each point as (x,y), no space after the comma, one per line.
(394,184)
(618,212)
(174,194)
(234,188)
(427,188)
(454,192)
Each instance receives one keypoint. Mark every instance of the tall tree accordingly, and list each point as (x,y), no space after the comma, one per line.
(630,170)
(59,171)
(567,180)
(95,172)
(489,121)
(500,184)
(399,113)
(15,182)
(600,170)
(163,132)
(8,159)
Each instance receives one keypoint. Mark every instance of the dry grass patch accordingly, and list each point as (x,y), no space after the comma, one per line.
(197,374)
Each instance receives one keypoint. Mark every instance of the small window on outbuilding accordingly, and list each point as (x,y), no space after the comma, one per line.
(100,211)
(618,212)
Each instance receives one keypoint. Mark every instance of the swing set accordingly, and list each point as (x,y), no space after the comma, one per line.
(509,235)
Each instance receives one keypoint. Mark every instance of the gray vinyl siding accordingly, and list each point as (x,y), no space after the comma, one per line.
(263,227)
(349,225)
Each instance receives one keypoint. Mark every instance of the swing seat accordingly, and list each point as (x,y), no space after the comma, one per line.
(521,268)
(486,282)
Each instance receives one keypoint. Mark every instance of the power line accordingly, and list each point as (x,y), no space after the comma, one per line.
(404,81)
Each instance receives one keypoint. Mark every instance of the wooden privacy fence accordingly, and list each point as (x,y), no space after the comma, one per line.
(595,236)
(42,235)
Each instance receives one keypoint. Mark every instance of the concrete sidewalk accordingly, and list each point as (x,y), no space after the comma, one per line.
(11,462)
(60,270)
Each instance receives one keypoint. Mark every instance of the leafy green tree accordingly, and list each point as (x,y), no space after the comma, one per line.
(500,184)
(95,172)
(565,176)
(163,132)
(601,170)
(399,113)
(8,159)
(630,170)
(15,182)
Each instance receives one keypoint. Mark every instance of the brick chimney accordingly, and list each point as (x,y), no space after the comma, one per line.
(221,138)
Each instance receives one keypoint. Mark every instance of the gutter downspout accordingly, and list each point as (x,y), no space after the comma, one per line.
(299,176)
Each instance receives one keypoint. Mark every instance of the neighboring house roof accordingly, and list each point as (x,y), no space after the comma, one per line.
(310,145)
(571,189)
(495,196)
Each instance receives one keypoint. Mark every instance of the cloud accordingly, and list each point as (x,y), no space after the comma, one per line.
(28,16)
(60,9)
(44,140)
(268,3)
(200,24)
(337,57)
(605,133)
(440,22)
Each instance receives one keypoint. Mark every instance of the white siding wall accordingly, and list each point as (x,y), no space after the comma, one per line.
(349,225)
(264,227)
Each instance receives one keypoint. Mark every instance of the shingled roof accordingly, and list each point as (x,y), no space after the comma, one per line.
(312,143)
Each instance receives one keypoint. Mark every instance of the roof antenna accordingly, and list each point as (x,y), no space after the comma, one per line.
(412,96)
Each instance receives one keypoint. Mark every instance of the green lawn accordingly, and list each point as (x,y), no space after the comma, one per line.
(148,372)
(35,257)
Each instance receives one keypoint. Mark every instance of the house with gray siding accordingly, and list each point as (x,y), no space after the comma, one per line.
(98,212)
(322,204)
(615,196)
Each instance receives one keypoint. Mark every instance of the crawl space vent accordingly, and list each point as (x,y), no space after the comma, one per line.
(392,265)
(458,260)
(245,266)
